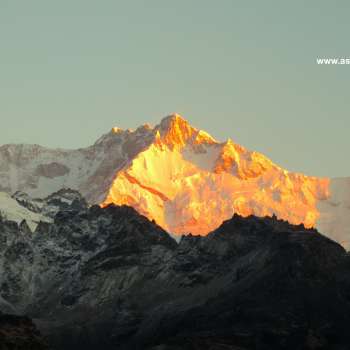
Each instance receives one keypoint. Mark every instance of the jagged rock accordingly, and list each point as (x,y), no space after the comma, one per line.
(64,199)
(109,278)
(21,207)
(19,333)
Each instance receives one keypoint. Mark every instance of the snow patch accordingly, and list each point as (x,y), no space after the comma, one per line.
(11,210)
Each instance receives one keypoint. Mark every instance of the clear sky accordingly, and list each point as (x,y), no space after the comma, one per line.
(72,69)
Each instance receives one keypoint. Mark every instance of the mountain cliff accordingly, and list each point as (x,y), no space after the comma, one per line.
(108,278)
(19,333)
(181,177)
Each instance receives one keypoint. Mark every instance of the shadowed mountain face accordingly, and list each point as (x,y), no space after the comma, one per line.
(181,177)
(109,278)
(19,333)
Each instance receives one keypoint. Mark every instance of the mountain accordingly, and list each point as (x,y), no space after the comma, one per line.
(108,278)
(20,207)
(19,333)
(10,209)
(181,177)
(48,207)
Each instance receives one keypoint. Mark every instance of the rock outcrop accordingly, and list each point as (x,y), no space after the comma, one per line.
(110,278)
(19,333)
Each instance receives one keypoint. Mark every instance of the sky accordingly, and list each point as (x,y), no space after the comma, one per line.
(70,70)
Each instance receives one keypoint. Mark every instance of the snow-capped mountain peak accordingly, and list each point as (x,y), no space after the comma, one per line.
(176,131)
(175,174)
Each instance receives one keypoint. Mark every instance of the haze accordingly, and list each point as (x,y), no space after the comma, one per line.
(71,70)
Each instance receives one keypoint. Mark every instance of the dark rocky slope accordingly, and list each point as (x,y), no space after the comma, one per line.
(19,333)
(110,279)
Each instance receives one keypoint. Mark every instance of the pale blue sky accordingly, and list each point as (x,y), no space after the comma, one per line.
(72,69)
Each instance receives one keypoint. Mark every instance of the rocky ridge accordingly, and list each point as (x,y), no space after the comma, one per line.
(110,278)
(19,333)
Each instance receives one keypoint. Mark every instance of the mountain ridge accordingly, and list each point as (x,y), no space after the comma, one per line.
(180,177)
(108,277)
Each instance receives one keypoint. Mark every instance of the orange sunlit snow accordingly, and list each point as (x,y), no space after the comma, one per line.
(188,182)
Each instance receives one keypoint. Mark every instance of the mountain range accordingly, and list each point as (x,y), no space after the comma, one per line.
(177,175)
(163,238)
(108,278)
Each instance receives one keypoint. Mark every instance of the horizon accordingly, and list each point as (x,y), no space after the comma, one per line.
(153,125)
(73,70)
